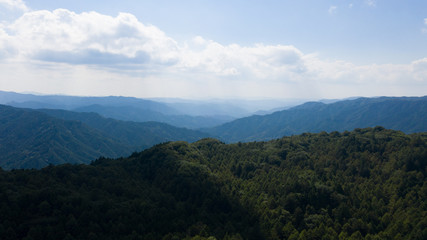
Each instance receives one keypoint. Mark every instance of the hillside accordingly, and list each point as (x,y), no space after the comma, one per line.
(30,139)
(407,114)
(33,139)
(137,134)
(365,184)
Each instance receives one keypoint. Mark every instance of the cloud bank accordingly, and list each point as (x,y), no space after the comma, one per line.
(90,53)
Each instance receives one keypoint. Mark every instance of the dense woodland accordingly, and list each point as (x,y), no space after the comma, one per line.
(364,184)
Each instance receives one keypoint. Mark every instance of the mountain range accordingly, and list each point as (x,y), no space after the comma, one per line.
(139,135)
(189,114)
(407,114)
(332,171)
(35,139)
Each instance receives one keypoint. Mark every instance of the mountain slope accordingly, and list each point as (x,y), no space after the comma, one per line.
(30,139)
(136,134)
(36,138)
(405,114)
(364,184)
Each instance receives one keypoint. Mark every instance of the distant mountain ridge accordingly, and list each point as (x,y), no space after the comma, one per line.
(121,108)
(73,102)
(407,114)
(132,113)
(35,139)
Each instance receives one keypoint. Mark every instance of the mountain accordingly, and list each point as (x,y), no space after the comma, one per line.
(37,138)
(73,102)
(236,108)
(364,184)
(30,139)
(213,107)
(120,108)
(132,113)
(407,114)
(139,135)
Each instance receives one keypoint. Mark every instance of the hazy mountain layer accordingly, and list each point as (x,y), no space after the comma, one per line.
(73,102)
(133,113)
(128,109)
(405,114)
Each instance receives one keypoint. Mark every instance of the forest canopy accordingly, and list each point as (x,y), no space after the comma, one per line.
(364,184)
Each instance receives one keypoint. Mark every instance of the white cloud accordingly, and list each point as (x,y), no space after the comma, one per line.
(11,10)
(94,54)
(419,69)
(371,3)
(233,60)
(14,5)
(424,30)
(332,9)
(63,35)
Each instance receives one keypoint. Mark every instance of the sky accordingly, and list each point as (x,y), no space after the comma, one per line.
(200,49)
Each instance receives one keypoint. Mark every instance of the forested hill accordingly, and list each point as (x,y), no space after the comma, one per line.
(139,135)
(365,184)
(32,139)
(407,114)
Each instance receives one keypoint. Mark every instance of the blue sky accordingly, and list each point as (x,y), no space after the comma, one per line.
(215,49)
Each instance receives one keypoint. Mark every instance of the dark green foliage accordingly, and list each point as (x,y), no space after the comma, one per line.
(405,114)
(365,184)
